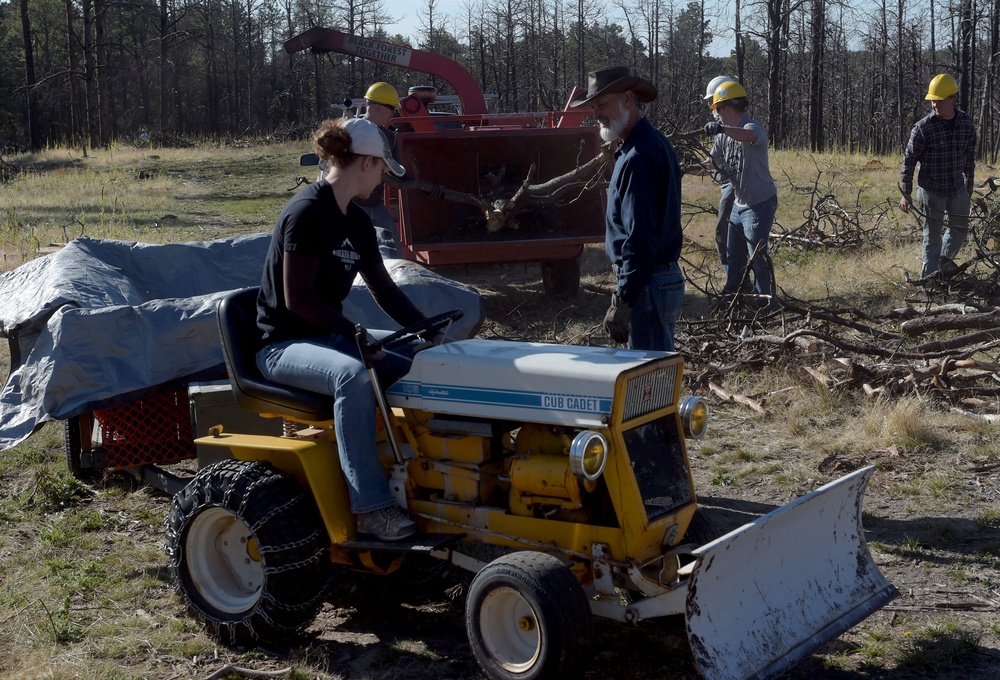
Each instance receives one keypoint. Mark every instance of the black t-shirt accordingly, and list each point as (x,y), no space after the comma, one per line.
(313,223)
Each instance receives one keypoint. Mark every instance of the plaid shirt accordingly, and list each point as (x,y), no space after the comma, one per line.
(946,151)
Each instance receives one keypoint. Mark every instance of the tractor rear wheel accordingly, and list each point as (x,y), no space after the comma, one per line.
(248,552)
(527,617)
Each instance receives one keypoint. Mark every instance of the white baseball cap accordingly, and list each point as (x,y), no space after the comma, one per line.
(713,85)
(368,140)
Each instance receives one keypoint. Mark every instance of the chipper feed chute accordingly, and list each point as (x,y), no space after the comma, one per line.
(765,596)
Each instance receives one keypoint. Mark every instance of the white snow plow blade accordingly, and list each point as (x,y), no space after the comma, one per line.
(764,597)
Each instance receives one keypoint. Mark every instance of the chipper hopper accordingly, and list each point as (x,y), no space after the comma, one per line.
(482,158)
(569,462)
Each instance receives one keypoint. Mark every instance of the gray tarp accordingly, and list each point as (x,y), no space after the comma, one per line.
(100,323)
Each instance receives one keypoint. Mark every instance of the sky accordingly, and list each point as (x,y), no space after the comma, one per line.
(410,11)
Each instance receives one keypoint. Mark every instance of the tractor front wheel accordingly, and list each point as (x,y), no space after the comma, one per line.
(702,529)
(248,552)
(527,617)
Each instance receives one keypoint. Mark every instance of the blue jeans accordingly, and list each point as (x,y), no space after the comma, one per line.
(935,207)
(333,366)
(726,199)
(655,311)
(749,230)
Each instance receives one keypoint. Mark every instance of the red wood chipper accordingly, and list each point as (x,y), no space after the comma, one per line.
(486,155)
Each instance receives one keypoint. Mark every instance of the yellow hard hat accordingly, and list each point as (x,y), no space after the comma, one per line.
(383,93)
(942,86)
(728,90)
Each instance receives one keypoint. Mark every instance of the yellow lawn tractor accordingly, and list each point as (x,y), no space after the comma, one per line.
(569,461)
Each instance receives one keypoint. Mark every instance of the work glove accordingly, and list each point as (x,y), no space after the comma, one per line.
(713,128)
(617,318)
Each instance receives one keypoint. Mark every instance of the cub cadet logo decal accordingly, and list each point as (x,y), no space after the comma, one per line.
(478,397)
(647,391)
(379,51)
(571,403)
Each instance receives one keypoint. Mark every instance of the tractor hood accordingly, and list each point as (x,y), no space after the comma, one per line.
(556,384)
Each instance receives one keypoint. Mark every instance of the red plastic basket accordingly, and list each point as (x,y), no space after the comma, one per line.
(155,429)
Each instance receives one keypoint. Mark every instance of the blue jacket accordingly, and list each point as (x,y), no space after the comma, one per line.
(643,220)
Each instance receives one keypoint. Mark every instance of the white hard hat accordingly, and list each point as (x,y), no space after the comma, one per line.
(713,84)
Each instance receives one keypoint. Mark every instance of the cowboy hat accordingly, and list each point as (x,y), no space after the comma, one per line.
(613,80)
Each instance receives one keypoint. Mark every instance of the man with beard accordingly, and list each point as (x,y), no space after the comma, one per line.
(643,220)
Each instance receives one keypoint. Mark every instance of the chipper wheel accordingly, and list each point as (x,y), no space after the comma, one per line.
(248,552)
(561,278)
(527,617)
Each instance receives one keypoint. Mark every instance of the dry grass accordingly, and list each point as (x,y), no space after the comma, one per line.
(155,196)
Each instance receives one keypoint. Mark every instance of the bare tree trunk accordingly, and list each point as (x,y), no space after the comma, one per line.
(933,26)
(250,66)
(318,84)
(818,39)
(556,50)
(162,67)
(738,33)
(34,134)
(90,77)
(293,83)
(902,134)
(878,100)
(775,22)
(987,120)
(965,69)
(234,71)
(103,74)
(212,80)
(75,117)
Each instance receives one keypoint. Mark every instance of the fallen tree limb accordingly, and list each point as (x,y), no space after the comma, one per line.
(230,670)
(953,308)
(960,341)
(950,322)
(501,212)
(726,395)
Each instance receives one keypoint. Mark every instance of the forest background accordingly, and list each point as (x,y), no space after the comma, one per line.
(822,74)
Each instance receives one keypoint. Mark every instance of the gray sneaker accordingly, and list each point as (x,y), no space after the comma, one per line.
(387,524)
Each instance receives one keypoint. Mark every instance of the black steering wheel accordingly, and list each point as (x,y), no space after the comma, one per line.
(426,328)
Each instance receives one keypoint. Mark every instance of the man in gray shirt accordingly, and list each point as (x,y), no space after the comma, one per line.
(739,152)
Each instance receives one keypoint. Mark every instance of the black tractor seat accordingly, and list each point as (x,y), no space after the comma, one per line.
(240,342)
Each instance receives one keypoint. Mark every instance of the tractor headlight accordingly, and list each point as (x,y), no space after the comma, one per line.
(694,417)
(588,454)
